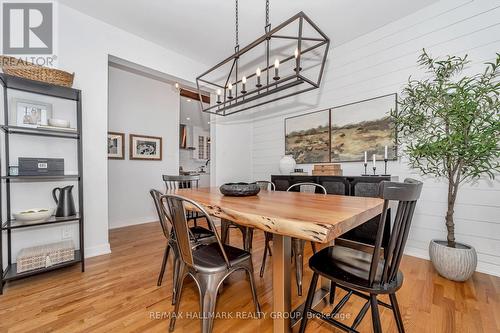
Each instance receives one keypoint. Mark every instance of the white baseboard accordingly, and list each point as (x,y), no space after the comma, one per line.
(98,250)
(135,221)
(482,267)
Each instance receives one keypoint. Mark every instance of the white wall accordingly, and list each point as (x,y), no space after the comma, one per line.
(140,105)
(380,63)
(83,47)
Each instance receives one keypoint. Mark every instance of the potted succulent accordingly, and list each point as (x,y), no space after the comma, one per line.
(449,127)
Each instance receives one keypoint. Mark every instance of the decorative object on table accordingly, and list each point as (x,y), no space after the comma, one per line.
(298,66)
(30,113)
(13,170)
(143,147)
(20,68)
(44,256)
(65,202)
(365,164)
(307,137)
(34,166)
(33,215)
(327,169)
(239,189)
(60,123)
(470,105)
(298,172)
(386,159)
(116,146)
(363,126)
(287,164)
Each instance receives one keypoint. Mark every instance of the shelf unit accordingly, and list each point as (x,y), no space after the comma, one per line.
(8,224)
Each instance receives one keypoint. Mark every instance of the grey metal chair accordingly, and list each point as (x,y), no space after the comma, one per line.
(173,182)
(369,270)
(198,235)
(208,264)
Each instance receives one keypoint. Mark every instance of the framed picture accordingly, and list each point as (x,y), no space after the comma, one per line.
(307,137)
(363,126)
(31,113)
(116,146)
(144,147)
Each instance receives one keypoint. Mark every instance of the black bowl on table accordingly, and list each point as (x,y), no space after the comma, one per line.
(239,189)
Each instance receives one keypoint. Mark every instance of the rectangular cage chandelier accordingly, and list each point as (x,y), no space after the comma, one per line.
(287,60)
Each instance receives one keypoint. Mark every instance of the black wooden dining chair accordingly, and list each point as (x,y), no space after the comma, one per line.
(208,264)
(367,270)
(198,235)
(173,182)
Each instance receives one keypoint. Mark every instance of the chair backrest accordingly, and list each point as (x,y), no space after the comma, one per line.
(177,182)
(163,216)
(266,185)
(406,194)
(176,207)
(308,187)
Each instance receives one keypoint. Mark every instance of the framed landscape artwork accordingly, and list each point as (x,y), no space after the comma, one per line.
(144,147)
(307,137)
(343,133)
(363,126)
(116,146)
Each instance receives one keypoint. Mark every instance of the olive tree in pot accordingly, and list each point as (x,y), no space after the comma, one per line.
(449,127)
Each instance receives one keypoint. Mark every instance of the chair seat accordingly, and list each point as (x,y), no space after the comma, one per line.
(209,258)
(351,267)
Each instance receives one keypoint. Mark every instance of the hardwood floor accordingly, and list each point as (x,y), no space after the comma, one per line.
(118,293)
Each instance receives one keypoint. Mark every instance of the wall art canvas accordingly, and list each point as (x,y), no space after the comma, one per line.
(144,147)
(307,137)
(363,126)
(116,146)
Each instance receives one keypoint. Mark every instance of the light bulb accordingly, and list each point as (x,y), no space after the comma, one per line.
(176,86)
(244,79)
(296,53)
(276,63)
(218,92)
(258,71)
(230,86)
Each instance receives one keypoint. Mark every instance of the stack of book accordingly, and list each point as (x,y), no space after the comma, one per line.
(327,169)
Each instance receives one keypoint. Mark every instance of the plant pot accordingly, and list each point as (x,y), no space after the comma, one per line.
(287,164)
(456,264)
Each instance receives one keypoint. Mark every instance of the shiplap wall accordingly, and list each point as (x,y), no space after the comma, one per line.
(380,63)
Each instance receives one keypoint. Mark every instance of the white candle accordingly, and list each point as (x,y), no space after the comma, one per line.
(374,159)
(385,155)
(366,158)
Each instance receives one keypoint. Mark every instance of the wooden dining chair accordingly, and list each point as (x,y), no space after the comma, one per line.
(208,264)
(367,270)
(198,235)
(173,182)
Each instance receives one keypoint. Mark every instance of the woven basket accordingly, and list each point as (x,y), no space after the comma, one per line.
(20,68)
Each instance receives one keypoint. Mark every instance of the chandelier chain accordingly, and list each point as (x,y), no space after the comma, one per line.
(237,28)
(267,13)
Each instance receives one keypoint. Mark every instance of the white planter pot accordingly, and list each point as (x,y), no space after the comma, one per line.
(456,264)
(287,164)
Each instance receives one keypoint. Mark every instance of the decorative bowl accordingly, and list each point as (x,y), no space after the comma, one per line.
(59,123)
(239,189)
(33,215)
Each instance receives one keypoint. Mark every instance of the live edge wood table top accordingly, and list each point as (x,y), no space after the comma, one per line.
(308,216)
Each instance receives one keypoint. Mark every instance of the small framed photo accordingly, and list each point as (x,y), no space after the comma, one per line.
(116,146)
(144,147)
(31,113)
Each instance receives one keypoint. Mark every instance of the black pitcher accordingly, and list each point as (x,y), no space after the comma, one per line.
(65,202)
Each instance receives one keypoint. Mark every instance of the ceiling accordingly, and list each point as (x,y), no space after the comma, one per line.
(204,30)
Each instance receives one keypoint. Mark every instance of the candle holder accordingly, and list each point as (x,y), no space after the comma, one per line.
(258,85)
(374,171)
(385,167)
(365,174)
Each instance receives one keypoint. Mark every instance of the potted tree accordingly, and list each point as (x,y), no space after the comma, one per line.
(449,127)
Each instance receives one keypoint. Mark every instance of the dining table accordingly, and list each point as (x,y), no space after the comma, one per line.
(308,216)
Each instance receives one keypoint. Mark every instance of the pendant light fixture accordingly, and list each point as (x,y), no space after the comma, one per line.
(287,60)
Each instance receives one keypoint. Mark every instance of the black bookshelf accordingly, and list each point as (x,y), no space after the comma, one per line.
(8,224)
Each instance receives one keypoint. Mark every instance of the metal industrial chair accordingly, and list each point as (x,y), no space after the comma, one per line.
(368,270)
(208,264)
(297,244)
(197,235)
(179,182)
